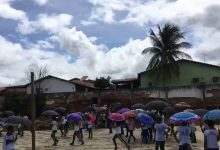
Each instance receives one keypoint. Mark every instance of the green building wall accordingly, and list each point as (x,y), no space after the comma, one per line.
(188,71)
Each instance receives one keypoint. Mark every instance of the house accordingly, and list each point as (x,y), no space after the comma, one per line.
(128,83)
(83,85)
(51,84)
(191,73)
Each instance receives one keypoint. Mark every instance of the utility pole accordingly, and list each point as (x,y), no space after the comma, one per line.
(33,110)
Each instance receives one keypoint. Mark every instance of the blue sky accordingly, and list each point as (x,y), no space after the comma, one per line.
(97,37)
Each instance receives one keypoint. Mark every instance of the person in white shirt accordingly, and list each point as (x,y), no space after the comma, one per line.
(160,131)
(77,133)
(184,136)
(54,130)
(118,135)
(9,139)
(211,136)
(89,127)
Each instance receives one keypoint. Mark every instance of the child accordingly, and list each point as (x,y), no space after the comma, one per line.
(54,130)
(131,127)
(118,135)
(211,137)
(77,133)
(89,127)
(9,139)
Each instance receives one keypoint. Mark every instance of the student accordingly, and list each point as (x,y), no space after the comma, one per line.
(160,131)
(131,128)
(126,127)
(81,129)
(118,135)
(89,127)
(9,139)
(54,130)
(77,133)
(211,137)
(62,124)
(192,134)
(144,134)
(184,136)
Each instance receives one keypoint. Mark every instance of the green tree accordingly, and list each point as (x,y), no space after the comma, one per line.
(165,51)
(103,83)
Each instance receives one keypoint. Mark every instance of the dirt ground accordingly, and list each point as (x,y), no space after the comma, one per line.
(102,140)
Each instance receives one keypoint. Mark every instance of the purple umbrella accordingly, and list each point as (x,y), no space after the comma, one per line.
(137,106)
(74,117)
(116,117)
(123,110)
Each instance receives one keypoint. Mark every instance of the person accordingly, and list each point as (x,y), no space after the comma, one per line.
(192,134)
(89,127)
(144,133)
(184,136)
(63,122)
(54,130)
(81,129)
(20,130)
(160,131)
(211,136)
(9,139)
(118,135)
(131,128)
(126,127)
(76,133)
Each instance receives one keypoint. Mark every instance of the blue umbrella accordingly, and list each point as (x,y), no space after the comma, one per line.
(145,118)
(123,110)
(74,117)
(184,117)
(213,115)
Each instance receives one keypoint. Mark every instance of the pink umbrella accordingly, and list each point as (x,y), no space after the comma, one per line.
(129,114)
(116,117)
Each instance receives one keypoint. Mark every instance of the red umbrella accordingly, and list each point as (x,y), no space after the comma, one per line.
(129,114)
(116,117)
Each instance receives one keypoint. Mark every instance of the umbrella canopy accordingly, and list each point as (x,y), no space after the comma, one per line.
(101,109)
(184,117)
(123,110)
(8,113)
(200,112)
(169,110)
(137,106)
(116,117)
(137,111)
(81,114)
(156,105)
(145,118)
(19,120)
(129,114)
(182,105)
(116,106)
(74,117)
(188,110)
(60,110)
(49,113)
(213,115)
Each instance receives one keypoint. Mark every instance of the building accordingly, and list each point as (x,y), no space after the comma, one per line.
(191,73)
(82,85)
(129,83)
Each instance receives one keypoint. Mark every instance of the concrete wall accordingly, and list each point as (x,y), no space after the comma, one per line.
(53,85)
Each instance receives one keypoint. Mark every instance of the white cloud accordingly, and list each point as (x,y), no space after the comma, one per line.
(41,2)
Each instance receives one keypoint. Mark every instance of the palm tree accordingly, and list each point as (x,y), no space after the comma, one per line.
(166,51)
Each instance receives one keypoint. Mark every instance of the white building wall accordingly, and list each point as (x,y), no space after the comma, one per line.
(185,92)
(53,85)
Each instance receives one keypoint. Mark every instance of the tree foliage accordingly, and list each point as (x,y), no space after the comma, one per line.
(103,83)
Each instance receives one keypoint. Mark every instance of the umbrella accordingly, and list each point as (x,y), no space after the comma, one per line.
(74,117)
(184,117)
(145,118)
(182,105)
(60,110)
(116,106)
(188,110)
(200,112)
(129,114)
(137,106)
(213,115)
(123,110)
(81,114)
(116,117)
(137,111)
(19,120)
(100,109)
(169,110)
(8,113)
(156,105)
(49,113)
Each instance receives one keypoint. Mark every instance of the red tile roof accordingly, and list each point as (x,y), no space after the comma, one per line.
(83,83)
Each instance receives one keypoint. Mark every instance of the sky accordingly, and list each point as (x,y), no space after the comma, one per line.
(94,38)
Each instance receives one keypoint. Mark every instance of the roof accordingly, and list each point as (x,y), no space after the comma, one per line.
(189,61)
(2,89)
(83,83)
(124,80)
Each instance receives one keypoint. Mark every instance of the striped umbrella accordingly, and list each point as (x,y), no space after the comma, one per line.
(184,117)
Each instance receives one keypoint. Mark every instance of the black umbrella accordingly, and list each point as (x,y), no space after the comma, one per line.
(60,110)
(19,120)
(200,112)
(8,113)
(49,113)
(156,105)
(169,110)
(137,106)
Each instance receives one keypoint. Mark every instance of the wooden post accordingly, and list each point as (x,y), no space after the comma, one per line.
(33,111)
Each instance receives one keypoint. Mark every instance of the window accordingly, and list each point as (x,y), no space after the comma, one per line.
(215,79)
(195,80)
